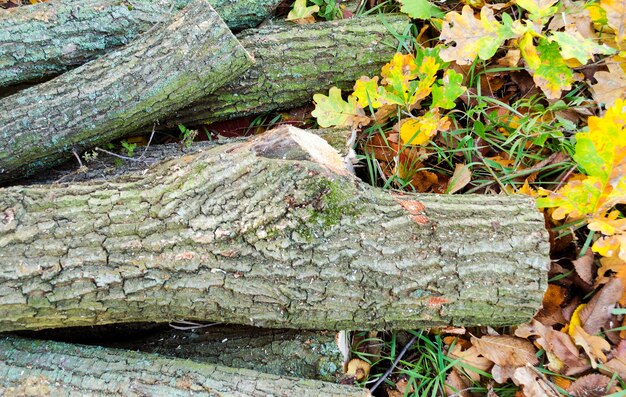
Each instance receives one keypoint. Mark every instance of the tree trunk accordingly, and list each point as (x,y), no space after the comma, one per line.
(303,354)
(120,92)
(272,232)
(107,166)
(293,62)
(39,368)
(47,39)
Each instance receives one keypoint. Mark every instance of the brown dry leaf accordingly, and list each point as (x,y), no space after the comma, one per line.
(506,350)
(584,267)
(576,19)
(615,365)
(550,312)
(598,311)
(461,177)
(511,59)
(592,344)
(502,374)
(592,385)
(533,383)
(402,385)
(358,368)
(610,85)
(561,351)
(616,265)
(457,385)
(470,358)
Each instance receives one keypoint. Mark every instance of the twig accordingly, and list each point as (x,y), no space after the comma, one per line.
(395,363)
(120,156)
(149,140)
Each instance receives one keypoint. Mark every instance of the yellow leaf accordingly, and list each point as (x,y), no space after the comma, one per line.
(366,92)
(418,131)
(575,321)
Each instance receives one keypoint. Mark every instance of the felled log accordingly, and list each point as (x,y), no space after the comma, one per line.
(293,62)
(31,367)
(285,352)
(272,232)
(106,165)
(303,354)
(122,91)
(47,39)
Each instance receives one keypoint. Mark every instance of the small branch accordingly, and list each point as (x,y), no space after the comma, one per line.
(395,363)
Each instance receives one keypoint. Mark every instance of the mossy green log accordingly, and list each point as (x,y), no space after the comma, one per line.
(293,62)
(238,234)
(43,368)
(47,39)
(132,87)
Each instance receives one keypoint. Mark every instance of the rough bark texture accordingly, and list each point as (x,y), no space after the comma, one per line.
(41,368)
(295,61)
(122,91)
(303,354)
(47,39)
(285,352)
(106,166)
(271,233)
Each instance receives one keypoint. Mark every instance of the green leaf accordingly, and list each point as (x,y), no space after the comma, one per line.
(448,90)
(574,45)
(420,9)
(538,9)
(550,72)
(332,110)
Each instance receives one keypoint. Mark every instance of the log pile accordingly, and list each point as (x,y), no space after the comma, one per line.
(273,231)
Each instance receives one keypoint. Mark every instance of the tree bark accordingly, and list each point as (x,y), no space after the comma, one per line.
(272,232)
(47,39)
(30,367)
(293,62)
(120,92)
(285,352)
(303,354)
(107,166)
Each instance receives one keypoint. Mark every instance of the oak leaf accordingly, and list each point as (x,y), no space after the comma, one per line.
(616,17)
(301,13)
(420,9)
(472,36)
(332,110)
(574,45)
(419,130)
(549,70)
(610,85)
(538,9)
(593,345)
(601,152)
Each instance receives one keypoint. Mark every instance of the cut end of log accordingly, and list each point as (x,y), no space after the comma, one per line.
(291,143)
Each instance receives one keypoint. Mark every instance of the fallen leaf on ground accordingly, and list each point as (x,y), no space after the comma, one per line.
(598,311)
(532,383)
(506,350)
(593,345)
(592,385)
